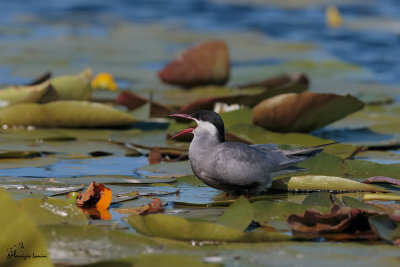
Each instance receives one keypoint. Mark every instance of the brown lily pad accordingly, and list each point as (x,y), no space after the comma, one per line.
(303,112)
(337,220)
(154,207)
(288,83)
(382,179)
(206,63)
(133,101)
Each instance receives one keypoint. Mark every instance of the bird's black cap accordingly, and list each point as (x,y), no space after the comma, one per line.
(214,118)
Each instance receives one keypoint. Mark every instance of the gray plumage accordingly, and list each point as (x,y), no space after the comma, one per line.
(234,167)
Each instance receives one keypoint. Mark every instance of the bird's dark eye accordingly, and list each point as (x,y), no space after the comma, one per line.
(201,117)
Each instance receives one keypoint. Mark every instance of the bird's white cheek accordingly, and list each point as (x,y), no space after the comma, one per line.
(206,128)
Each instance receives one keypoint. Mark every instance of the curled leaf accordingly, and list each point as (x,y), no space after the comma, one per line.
(206,63)
(382,179)
(96,196)
(337,220)
(133,101)
(153,207)
(303,112)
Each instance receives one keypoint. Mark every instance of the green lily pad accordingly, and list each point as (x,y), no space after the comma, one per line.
(20,235)
(324,183)
(277,211)
(238,215)
(174,227)
(179,168)
(157,260)
(120,179)
(64,114)
(38,187)
(116,198)
(323,199)
(18,154)
(386,228)
(30,162)
(73,87)
(69,244)
(355,203)
(24,94)
(50,211)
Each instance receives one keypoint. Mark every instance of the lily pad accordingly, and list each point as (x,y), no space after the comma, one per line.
(303,112)
(20,236)
(324,183)
(50,211)
(23,163)
(355,203)
(172,168)
(323,199)
(277,211)
(238,215)
(174,227)
(386,228)
(69,244)
(64,114)
(38,187)
(24,94)
(73,87)
(124,197)
(119,179)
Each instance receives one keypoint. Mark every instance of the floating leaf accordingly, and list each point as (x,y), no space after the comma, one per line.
(20,236)
(381,179)
(24,94)
(205,63)
(23,163)
(133,101)
(339,219)
(96,195)
(238,215)
(122,179)
(276,211)
(381,196)
(321,182)
(68,248)
(386,228)
(18,154)
(323,199)
(303,112)
(173,227)
(124,197)
(50,211)
(153,207)
(64,114)
(249,96)
(355,203)
(173,168)
(73,87)
(38,187)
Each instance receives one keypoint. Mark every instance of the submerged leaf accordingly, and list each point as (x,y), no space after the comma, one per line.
(321,182)
(154,207)
(303,112)
(64,114)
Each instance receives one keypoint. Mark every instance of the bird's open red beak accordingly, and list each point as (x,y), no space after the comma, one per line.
(184,131)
